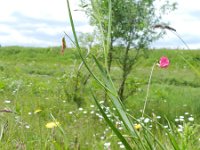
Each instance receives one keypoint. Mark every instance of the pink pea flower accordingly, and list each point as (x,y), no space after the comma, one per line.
(164,62)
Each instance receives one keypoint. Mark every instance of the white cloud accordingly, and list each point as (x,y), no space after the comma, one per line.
(186,21)
(42,22)
(29,22)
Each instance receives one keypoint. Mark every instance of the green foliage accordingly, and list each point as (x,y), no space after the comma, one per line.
(131,27)
(173,92)
(132,137)
(132,21)
(88,40)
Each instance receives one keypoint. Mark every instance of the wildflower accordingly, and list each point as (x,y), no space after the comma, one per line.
(37,111)
(120,143)
(158,117)
(185,105)
(191,119)
(137,126)
(70,112)
(109,115)
(107,112)
(181,119)
(52,124)
(118,123)
(107,108)
(92,106)
(97,114)
(107,129)
(166,126)
(146,120)
(100,117)
(180,129)
(141,118)
(186,113)
(27,126)
(120,128)
(85,112)
(122,146)
(101,102)
(164,62)
(7,101)
(92,112)
(180,126)
(107,145)
(176,120)
(80,109)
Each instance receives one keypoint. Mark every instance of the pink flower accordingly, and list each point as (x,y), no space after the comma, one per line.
(164,62)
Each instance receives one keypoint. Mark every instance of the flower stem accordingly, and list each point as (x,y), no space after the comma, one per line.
(148,88)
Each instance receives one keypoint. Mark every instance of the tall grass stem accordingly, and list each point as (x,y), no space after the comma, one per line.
(148,88)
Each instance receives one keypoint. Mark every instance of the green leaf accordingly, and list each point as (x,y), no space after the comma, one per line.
(78,47)
(112,126)
(171,136)
(115,99)
(191,66)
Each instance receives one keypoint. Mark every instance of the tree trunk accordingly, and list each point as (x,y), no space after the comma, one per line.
(125,73)
(110,59)
(110,55)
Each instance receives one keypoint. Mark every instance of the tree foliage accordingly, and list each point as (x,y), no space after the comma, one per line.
(132,20)
(132,27)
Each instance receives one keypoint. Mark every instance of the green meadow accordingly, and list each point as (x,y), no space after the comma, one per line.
(40,85)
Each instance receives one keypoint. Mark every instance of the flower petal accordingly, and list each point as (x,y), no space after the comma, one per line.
(164,62)
(52,124)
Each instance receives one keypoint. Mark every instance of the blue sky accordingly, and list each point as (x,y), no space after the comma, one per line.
(41,23)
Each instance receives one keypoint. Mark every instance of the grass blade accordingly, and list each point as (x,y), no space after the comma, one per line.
(191,66)
(115,99)
(79,49)
(112,126)
(171,136)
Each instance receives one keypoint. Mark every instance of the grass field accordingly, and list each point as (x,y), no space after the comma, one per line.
(37,87)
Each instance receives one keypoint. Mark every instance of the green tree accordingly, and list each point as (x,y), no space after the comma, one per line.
(87,40)
(132,29)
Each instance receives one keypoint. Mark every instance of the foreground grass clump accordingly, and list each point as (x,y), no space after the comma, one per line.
(35,84)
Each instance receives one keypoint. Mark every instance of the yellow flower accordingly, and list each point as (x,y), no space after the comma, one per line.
(137,126)
(52,124)
(37,111)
